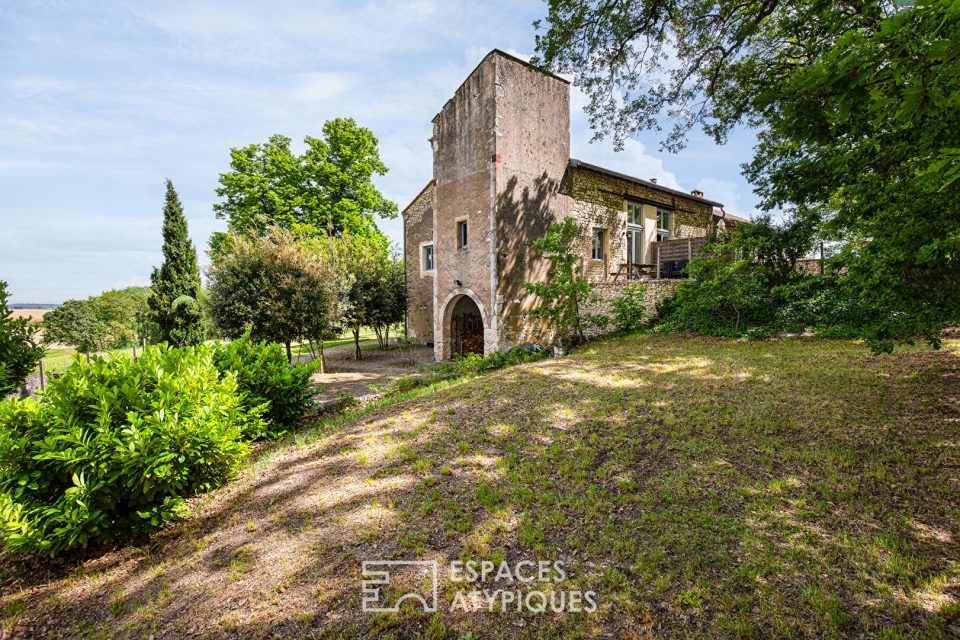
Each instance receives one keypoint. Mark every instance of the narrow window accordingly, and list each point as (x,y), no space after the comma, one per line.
(635,214)
(599,251)
(462,234)
(663,225)
(428,257)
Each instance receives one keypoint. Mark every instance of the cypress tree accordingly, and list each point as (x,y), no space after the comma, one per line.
(174,301)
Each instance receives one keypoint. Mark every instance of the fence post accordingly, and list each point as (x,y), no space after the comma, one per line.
(689,249)
(43,376)
(658,261)
(134,351)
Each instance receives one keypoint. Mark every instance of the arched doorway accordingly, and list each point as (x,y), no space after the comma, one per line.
(466,327)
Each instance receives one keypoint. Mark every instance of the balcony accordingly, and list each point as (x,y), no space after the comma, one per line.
(669,257)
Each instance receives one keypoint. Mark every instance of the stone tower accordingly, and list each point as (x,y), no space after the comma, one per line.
(501,146)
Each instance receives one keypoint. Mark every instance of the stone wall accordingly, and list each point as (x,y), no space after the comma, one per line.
(532,153)
(464,135)
(655,291)
(599,201)
(535,330)
(418,231)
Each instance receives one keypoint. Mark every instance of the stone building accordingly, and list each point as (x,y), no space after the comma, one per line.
(502,173)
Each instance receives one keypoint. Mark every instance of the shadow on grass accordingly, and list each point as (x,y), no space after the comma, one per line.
(699,486)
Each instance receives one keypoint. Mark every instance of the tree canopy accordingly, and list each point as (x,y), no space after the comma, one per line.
(277,288)
(112,320)
(77,323)
(19,351)
(327,188)
(857,109)
(375,295)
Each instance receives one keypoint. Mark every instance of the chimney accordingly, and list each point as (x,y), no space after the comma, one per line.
(653,180)
(696,193)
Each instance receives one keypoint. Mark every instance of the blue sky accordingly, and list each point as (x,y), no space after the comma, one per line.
(101,101)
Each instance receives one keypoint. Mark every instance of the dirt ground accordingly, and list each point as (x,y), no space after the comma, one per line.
(366,379)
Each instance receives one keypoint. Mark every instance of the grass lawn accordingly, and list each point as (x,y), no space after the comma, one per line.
(58,358)
(702,488)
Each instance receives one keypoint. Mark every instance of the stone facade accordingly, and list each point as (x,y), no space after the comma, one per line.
(417,235)
(502,167)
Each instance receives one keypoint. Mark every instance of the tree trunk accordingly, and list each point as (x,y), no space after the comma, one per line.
(379,332)
(356,341)
(386,337)
(323,364)
(289,354)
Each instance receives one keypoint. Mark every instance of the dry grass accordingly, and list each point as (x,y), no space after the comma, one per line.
(702,487)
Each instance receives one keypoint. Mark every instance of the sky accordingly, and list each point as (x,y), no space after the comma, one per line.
(100,102)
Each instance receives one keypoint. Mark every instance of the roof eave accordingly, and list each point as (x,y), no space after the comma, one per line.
(644,183)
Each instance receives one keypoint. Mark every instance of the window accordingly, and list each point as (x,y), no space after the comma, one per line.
(634,238)
(462,234)
(428,257)
(599,251)
(663,225)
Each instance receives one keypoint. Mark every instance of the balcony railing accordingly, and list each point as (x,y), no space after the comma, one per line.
(671,256)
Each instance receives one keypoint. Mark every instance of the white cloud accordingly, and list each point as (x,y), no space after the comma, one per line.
(725,191)
(321,86)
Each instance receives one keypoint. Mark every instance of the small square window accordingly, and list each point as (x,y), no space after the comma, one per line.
(635,214)
(663,225)
(599,248)
(462,234)
(428,257)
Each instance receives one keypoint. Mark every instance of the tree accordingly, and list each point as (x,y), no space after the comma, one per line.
(566,291)
(857,107)
(328,188)
(77,323)
(112,320)
(19,351)
(391,304)
(742,280)
(364,262)
(126,314)
(277,287)
(176,284)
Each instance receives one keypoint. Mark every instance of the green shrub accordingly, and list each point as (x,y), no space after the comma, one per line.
(19,352)
(267,380)
(629,309)
(113,447)
(737,280)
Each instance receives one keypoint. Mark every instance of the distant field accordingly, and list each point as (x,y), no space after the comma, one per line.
(35,315)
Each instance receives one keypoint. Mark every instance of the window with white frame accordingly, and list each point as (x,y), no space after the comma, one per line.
(461,234)
(599,247)
(663,225)
(428,257)
(635,239)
